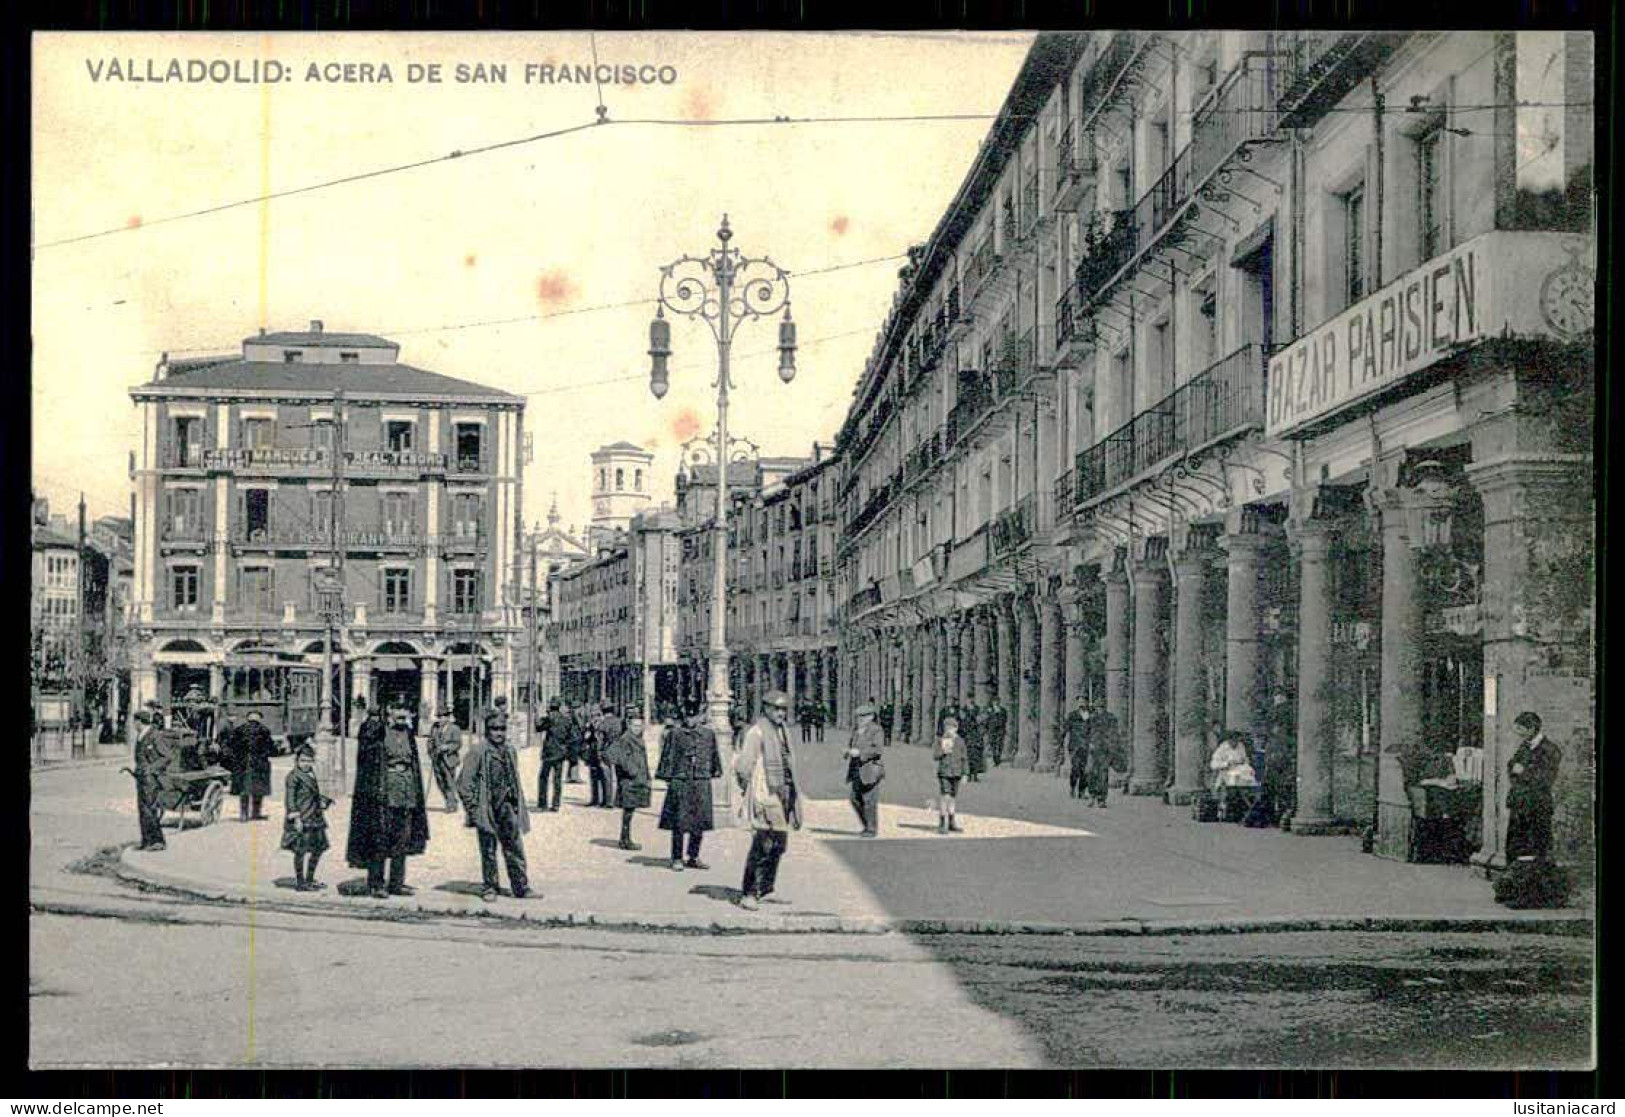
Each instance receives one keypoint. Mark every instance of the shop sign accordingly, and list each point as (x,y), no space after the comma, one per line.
(1489,286)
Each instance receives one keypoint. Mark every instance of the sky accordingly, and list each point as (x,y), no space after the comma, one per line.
(536,232)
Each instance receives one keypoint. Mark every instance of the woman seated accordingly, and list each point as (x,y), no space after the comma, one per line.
(1231,770)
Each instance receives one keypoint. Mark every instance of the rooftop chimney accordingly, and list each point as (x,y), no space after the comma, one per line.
(315,325)
(262,331)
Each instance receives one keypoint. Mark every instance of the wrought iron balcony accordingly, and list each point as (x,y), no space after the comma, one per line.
(1013,528)
(1063,490)
(1076,170)
(983,263)
(1322,67)
(1027,219)
(863,600)
(923,458)
(975,400)
(180,455)
(191,533)
(1225,398)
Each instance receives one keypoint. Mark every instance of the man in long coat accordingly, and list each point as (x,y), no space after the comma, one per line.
(1531,778)
(606,727)
(626,754)
(445,743)
(766,772)
(388,819)
(973,724)
(993,727)
(551,731)
(1075,744)
(689,761)
(495,806)
(1105,751)
(251,776)
(864,770)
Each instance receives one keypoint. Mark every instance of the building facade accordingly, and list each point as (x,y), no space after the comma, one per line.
(312,452)
(545,552)
(615,617)
(1247,381)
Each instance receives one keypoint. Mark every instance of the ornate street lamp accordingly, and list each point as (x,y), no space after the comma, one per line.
(724,289)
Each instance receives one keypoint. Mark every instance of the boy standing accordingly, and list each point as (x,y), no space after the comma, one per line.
(304,826)
(950,770)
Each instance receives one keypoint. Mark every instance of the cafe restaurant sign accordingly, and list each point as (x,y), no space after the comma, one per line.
(1493,284)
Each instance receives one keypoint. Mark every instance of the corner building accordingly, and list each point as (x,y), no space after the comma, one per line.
(234,487)
(1248,381)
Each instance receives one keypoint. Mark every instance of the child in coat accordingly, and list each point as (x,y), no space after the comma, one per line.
(950,752)
(304,826)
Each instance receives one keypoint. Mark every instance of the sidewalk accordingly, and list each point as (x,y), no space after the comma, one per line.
(1136,867)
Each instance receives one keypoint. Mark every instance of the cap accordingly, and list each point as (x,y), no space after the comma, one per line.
(607,707)
(777,698)
(501,700)
(865,708)
(632,710)
(496,719)
(445,709)
(305,750)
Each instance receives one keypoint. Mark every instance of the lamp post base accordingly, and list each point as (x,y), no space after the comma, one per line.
(719,705)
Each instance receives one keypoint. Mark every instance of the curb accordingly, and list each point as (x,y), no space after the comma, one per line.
(1576,924)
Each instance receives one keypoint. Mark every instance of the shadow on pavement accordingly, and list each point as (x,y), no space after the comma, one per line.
(720,893)
(462,887)
(650,862)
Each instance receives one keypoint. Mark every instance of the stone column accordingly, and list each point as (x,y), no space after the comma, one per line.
(951,675)
(1150,674)
(1118,699)
(982,637)
(1313,813)
(790,683)
(1243,705)
(1190,691)
(1073,627)
(1400,700)
(945,668)
(928,660)
(1005,669)
(1028,663)
(1051,683)
(1538,611)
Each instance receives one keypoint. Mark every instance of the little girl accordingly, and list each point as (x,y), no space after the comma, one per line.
(304,827)
(950,769)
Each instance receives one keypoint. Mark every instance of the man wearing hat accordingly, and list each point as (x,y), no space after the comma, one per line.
(627,756)
(864,770)
(689,761)
(606,727)
(496,807)
(550,731)
(388,819)
(766,771)
(445,742)
(152,757)
(251,779)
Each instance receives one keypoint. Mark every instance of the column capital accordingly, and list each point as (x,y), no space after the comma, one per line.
(1150,572)
(1312,540)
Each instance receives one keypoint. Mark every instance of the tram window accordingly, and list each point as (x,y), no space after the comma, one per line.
(273,684)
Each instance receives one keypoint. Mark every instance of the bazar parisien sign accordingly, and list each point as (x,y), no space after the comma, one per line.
(1487,286)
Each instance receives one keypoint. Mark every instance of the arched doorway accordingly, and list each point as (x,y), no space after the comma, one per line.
(182,664)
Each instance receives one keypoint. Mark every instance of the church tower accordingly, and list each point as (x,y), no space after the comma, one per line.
(621,488)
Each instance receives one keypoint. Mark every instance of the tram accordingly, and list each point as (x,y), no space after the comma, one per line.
(283,688)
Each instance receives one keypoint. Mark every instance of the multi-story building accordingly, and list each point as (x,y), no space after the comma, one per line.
(615,617)
(56,602)
(1248,379)
(781,616)
(241,460)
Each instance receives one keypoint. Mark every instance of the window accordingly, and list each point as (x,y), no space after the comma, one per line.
(185,511)
(620,479)
(256,513)
(637,480)
(399,513)
(258,589)
(1123,382)
(465,514)
(183,588)
(321,512)
(603,479)
(1354,244)
(321,434)
(293,356)
(1430,193)
(1162,365)
(398,435)
(349,358)
(188,441)
(468,446)
(397,590)
(258,434)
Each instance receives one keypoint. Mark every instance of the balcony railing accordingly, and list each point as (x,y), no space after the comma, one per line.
(1226,397)
(472,463)
(187,534)
(180,455)
(975,400)
(1063,489)
(863,599)
(951,305)
(1012,529)
(983,263)
(1028,216)
(923,458)
(1322,67)
(1075,167)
